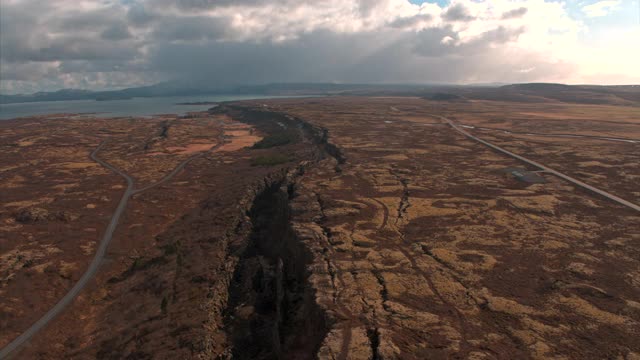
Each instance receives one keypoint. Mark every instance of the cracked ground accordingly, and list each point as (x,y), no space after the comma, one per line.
(425,249)
(383,234)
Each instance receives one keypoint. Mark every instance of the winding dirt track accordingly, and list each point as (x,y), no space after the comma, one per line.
(102,248)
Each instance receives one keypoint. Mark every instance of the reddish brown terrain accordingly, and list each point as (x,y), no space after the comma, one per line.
(424,248)
(170,253)
(355,228)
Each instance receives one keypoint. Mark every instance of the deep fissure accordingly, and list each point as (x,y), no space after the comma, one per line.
(271,309)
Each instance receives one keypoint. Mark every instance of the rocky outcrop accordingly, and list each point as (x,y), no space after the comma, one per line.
(272,312)
(269,120)
(36,214)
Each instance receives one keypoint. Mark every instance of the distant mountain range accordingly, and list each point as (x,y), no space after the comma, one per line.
(162,89)
(190,89)
(531,92)
(60,95)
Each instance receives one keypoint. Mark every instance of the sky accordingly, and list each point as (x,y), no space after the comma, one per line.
(109,44)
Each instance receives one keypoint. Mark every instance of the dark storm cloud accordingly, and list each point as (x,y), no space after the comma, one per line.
(74,36)
(138,15)
(457,12)
(116,32)
(252,41)
(85,20)
(515,13)
(28,71)
(68,47)
(192,28)
(382,56)
(84,66)
(17,25)
(312,57)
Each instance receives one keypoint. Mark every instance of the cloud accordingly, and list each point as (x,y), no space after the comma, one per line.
(138,15)
(412,21)
(116,32)
(387,55)
(63,32)
(199,5)
(27,71)
(192,28)
(457,12)
(446,42)
(116,43)
(515,13)
(601,8)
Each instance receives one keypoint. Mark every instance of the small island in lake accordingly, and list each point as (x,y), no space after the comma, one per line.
(198,103)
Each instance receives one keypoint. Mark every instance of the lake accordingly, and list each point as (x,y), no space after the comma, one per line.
(132,107)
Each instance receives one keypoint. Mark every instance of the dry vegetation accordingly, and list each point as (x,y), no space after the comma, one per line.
(378,233)
(425,249)
(56,203)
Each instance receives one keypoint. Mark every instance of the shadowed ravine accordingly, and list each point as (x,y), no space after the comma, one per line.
(272,312)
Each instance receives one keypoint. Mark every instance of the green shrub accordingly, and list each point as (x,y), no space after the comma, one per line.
(276,140)
(163,305)
(170,249)
(269,160)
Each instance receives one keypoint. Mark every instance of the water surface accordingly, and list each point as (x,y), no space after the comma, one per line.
(132,107)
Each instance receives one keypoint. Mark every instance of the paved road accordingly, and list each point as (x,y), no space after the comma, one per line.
(102,249)
(593,137)
(542,167)
(91,270)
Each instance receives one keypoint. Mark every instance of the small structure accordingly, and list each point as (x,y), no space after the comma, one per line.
(525,175)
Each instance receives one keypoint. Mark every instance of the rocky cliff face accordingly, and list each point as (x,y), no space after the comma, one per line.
(272,311)
(421,249)
(226,277)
